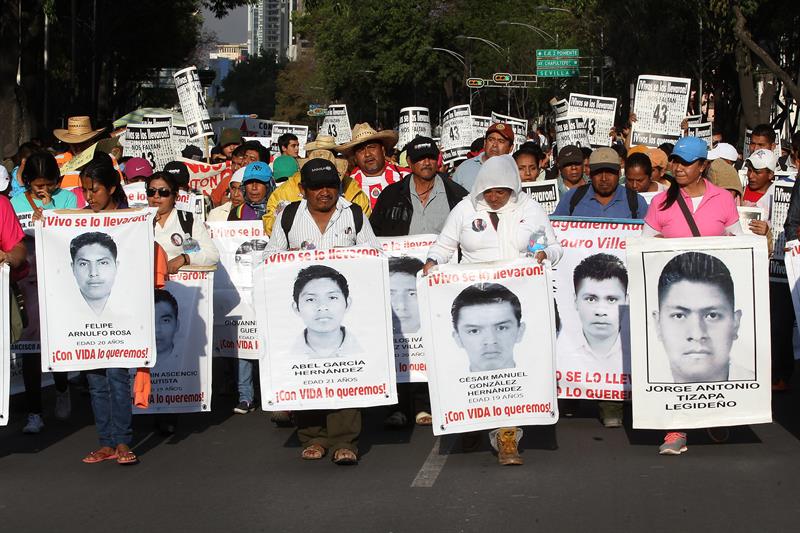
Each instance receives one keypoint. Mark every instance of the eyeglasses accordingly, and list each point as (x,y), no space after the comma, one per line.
(163,192)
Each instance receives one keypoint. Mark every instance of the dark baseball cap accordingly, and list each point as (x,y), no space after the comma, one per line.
(422,147)
(570,155)
(318,173)
(179,171)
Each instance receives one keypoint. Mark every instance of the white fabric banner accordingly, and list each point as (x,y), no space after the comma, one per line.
(204,177)
(414,122)
(193,103)
(5,342)
(545,192)
(407,255)
(337,124)
(95,277)
(326,317)
(660,107)
(489,330)
(181,380)
(591,280)
(519,125)
(700,333)
(457,133)
(240,245)
(136,193)
(280,129)
(153,142)
(598,113)
(571,131)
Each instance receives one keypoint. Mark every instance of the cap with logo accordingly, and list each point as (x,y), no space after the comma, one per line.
(570,155)
(179,171)
(761,159)
(690,149)
(604,158)
(421,147)
(136,167)
(257,171)
(318,173)
(502,129)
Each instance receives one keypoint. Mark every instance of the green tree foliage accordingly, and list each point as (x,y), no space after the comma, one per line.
(251,85)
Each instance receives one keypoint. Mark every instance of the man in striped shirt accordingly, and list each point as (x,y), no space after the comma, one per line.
(323,219)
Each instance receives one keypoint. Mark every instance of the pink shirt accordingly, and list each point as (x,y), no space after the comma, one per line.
(717,211)
(10,230)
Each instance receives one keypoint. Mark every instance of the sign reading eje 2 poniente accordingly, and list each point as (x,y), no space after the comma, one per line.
(557,63)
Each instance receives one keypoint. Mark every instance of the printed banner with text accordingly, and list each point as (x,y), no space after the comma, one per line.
(5,342)
(660,107)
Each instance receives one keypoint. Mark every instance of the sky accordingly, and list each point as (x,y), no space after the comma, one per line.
(231,29)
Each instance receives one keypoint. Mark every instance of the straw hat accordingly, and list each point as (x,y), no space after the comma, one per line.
(322,142)
(364,133)
(79,130)
(324,153)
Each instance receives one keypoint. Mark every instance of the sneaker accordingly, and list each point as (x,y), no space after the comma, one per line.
(612,422)
(674,444)
(282,419)
(507,451)
(34,425)
(244,407)
(63,405)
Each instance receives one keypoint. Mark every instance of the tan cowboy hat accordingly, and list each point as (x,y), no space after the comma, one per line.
(79,130)
(364,133)
(322,142)
(324,153)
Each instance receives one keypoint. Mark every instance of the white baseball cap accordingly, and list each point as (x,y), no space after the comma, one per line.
(238,176)
(724,151)
(762,158)
(5,179)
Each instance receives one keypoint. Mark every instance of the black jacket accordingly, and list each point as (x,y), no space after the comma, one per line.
(391,216)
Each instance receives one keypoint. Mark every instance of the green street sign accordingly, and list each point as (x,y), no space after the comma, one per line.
(556,72)
(554,52)
(556,63)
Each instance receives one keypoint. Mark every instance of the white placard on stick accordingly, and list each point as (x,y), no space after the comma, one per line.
(414,122)
(152,142)
(457,133)
(660,107)
(337,124)
(279,129)
(326,317)
(519,125)
(181,380)
(193,103)
(95,275)
(489,333)
(241,246)
(701,130)
(781,197)
(479,126)
(700,333)
(598,113)
(571,131)
(545,192)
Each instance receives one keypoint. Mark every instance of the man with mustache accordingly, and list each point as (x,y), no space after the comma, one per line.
(421,201)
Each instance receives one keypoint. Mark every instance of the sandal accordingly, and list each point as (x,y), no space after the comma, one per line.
(345,457)
(424,419)
(106,453)
(312,452)
(125,456)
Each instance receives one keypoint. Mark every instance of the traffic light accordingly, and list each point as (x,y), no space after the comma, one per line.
(475,83)
(502,77)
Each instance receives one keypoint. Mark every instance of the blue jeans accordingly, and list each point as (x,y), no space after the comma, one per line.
(245,383)
(112,404)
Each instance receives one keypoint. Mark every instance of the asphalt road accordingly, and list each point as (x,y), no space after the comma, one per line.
(226,472)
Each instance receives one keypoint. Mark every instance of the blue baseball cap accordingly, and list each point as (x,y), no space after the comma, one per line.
(257,171)
(690,149)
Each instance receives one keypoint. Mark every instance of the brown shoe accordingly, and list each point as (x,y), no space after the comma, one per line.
(507,453)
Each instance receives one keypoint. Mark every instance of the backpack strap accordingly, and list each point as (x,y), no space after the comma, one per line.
(580,192)
(287,218)
(688,216)
(358,217)
(633,202)
(186,220)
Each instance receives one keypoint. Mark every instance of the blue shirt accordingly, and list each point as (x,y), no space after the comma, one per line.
(61,199)
(588,206)
(467,172)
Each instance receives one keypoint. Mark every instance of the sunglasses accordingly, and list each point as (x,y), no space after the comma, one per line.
(163,192)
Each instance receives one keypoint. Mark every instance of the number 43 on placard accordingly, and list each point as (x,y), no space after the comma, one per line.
(660,113)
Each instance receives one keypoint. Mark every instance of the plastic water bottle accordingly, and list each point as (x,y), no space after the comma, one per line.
(535,243)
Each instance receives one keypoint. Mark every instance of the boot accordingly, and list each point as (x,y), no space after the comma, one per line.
(507,453)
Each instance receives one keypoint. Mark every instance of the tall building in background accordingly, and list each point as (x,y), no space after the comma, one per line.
(269,27)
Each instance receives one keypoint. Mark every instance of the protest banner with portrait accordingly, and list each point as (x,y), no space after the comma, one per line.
(598,113)
(700,332)
(519,125)
(181,379)
(457,133)
(489,333)
(192,99)
(95,281)
(337,124)
(407,255)
(660,107)
(545,192)
(5,343)
(591,281)
(279,129)
(327,321)
(571,131)
(414,122)
(28,288)
(152,142)
(781,196)
(241,245)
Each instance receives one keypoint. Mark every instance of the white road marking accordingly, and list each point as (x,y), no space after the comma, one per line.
(434,464)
